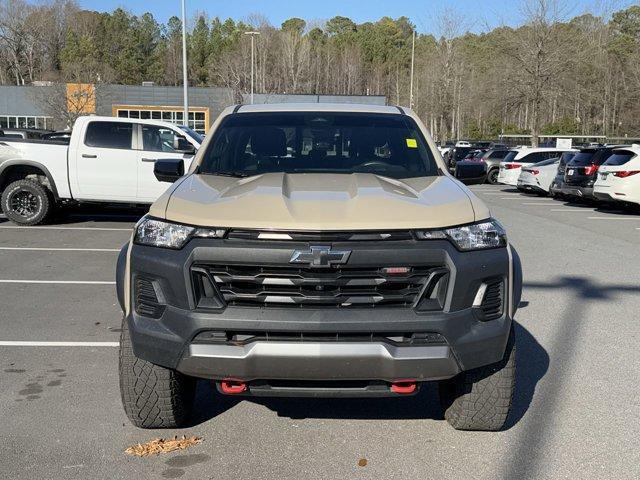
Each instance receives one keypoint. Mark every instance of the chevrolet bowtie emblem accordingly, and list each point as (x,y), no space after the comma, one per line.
(320,256)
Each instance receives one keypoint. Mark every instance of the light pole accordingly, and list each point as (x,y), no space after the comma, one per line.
(185,81)
(413,56)
(252,34)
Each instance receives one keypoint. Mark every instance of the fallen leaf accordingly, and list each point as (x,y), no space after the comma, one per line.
(159,445)
(362,462)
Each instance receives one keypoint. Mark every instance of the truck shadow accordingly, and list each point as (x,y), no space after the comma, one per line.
(532,366)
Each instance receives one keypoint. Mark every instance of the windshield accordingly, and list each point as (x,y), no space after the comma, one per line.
(583,158)
(318,142)
(549,161)
(510,156)
(619,158)
(192,133)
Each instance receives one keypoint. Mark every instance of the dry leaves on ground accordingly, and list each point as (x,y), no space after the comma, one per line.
(159,445)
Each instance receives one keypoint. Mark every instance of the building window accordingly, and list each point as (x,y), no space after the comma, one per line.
(22,121)
(197,119)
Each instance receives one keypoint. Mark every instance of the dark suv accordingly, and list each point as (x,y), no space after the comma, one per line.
(582,171)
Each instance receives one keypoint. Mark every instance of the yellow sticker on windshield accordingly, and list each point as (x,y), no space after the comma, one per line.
(412,143)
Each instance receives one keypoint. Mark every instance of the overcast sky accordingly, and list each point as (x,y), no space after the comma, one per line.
(478,14)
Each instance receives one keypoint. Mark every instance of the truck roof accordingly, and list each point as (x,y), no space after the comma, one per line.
(318,107)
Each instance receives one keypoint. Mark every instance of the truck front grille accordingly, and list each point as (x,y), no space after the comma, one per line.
(289,286)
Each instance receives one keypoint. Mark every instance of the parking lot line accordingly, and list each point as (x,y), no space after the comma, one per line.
(61,282)
(10,227)
(20,343)
(44,249)
(503,193)
(637,219)
(538,203)
(572,210)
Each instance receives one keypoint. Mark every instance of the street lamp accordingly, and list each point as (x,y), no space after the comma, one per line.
(185,81)
(252,34)
(413,57)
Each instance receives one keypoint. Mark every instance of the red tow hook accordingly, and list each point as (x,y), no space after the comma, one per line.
(404,387)
(232,387)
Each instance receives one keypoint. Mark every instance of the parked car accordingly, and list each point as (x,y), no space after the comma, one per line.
(463,143)
(344,270)
(471,171)
(455,155)
(619,176)
(582,171)
(107,160)
(538,177)
(511,165)
(493,158)
(555,189)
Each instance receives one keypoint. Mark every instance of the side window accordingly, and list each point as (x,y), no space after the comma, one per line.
(534,157)
(108,135)
(157,139)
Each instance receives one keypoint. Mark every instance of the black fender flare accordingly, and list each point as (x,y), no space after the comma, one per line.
(121,269)
(517,278)
(30,163)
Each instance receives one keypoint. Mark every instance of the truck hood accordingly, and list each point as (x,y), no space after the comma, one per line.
(281,201)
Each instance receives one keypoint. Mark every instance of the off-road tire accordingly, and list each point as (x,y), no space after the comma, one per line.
(153,396)
(41,194)
(480,399)
(492,176)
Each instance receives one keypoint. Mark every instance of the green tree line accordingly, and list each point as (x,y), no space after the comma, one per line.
(549,75)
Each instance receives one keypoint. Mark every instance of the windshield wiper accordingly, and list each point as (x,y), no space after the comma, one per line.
(230,174)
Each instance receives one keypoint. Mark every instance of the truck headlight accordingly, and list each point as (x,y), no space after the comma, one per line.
(158,233)
(477,236)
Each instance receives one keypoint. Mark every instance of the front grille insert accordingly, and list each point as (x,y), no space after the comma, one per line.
(393,338)
(346,287)
(146,299)
(493,300)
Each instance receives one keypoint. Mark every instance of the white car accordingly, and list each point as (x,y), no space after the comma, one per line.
(539,176)
(619,176)
(462,143)
(511,165)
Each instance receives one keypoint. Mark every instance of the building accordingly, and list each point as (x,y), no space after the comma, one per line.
(43,106)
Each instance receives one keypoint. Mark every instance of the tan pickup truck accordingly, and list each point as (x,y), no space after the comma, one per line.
(317,251)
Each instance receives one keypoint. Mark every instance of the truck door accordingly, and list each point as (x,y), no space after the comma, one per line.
(157,144)
(105,163)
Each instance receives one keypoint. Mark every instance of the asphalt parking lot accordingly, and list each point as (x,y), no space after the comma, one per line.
(576,413)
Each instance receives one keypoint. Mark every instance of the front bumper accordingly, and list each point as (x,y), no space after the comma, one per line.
(317,361)
(466,342)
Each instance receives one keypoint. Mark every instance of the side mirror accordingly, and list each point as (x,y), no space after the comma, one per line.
(182,145)
(471,173)
(168,170)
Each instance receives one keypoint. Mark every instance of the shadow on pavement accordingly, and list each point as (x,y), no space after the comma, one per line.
(529,449)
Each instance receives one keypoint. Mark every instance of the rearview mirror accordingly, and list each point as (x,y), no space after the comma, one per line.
(168,170)
(182,145)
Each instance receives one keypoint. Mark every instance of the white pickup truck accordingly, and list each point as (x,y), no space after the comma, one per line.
(106,160)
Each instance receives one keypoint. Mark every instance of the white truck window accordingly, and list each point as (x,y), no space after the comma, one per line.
(109,135)
(157,139)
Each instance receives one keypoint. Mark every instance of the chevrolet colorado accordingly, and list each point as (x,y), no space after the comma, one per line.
(106,160)
(311,251)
